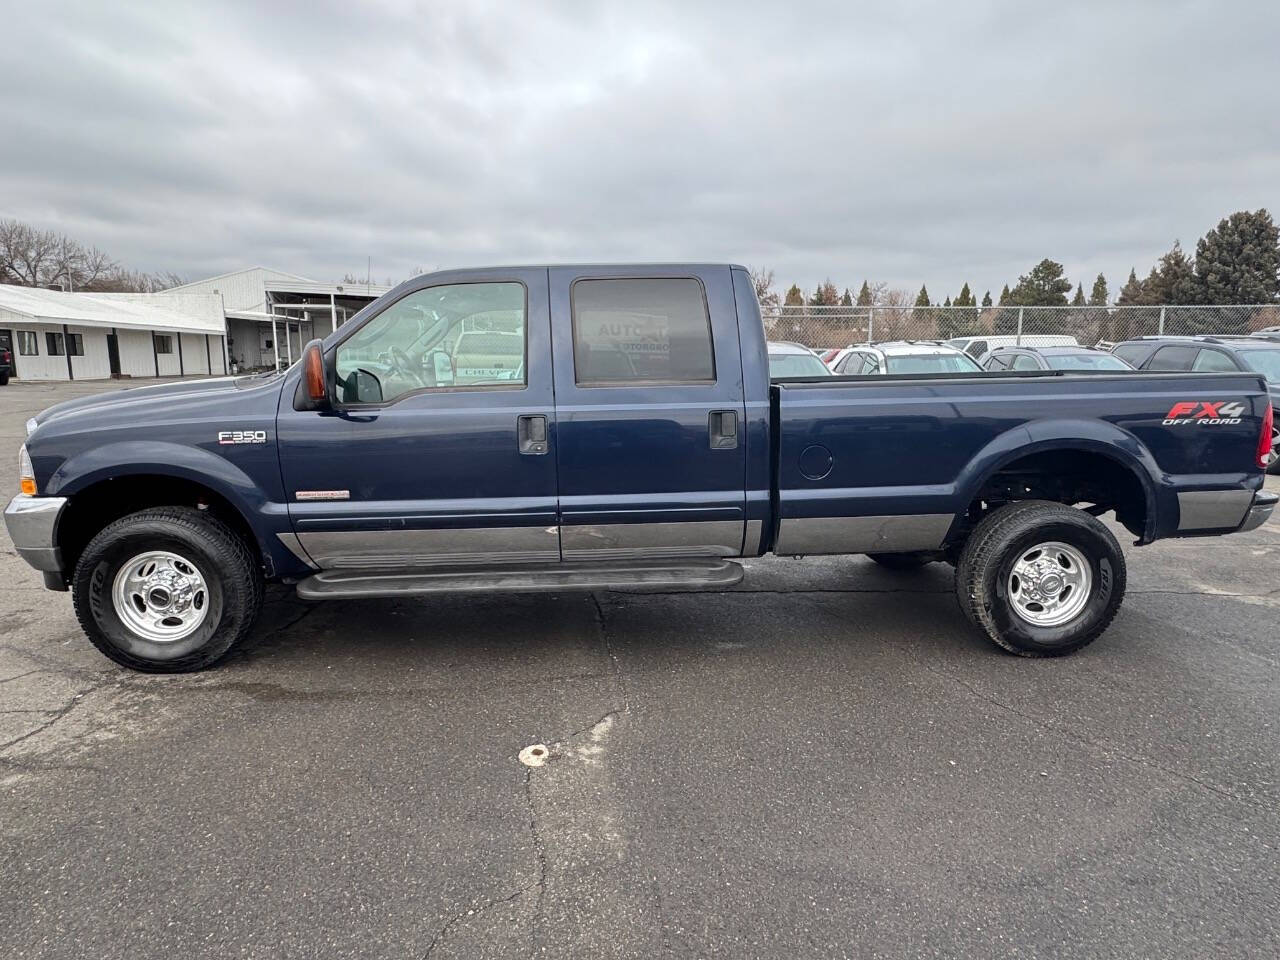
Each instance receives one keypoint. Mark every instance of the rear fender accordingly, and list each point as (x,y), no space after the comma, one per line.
(1085,436)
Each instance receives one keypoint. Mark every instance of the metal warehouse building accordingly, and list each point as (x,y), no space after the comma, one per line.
(270,314)
(93,336)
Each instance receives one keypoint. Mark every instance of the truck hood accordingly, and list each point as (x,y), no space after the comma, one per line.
(136,399)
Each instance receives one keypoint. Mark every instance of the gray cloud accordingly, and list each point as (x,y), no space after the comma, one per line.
(906,142)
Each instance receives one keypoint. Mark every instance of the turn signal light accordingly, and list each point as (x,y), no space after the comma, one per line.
(313,370)
(26,473)
(1265,454)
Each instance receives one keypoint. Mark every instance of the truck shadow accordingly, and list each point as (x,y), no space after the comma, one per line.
(780,610)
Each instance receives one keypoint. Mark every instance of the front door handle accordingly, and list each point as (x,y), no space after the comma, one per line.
(722,428)
(531,433)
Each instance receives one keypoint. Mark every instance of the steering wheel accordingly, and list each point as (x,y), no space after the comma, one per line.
(400,363)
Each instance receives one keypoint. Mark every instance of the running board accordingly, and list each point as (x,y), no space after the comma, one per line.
(687,574)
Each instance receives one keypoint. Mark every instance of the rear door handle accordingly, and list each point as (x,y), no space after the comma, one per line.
(531,432)
(722,428)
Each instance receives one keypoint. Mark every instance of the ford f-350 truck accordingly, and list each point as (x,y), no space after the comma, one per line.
(600,427)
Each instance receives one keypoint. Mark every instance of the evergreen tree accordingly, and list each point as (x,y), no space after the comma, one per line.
(1098,296)
(1004,295)
(947,303)
(795,297)
(986,298)
(922,298)
(1129,320)
(1097,325)
(847,299)
(865,298)
(1238,261)
(1078,300)
(1043,286)
(1173,281)
(826,295)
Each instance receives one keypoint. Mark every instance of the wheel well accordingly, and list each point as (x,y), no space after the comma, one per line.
(1066,476)
(92,508)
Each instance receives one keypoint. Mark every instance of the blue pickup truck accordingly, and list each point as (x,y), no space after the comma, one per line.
(601,427)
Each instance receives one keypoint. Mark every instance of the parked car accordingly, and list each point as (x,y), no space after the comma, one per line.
(794,360)
(166,509)
(900,357)
(6,365)
(978,345)
(1211,354)
(1073,359)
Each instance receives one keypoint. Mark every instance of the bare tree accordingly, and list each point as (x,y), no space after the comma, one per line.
(31,257)
(762,280)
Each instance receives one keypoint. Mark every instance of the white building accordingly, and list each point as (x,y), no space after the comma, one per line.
(92,336)
(271,314)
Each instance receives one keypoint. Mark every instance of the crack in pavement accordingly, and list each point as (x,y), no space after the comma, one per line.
(475,911)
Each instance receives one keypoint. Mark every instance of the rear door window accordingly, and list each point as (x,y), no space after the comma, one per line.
(641,330)
(1024,362)
(996,361)
(1214,361)
(1173,358)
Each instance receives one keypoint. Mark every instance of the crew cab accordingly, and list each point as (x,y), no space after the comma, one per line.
(604,427)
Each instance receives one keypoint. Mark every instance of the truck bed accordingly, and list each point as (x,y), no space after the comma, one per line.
(892,462)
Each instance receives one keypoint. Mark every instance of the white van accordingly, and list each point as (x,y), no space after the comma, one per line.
(977,346)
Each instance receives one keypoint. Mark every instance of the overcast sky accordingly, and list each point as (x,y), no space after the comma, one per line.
(897,141)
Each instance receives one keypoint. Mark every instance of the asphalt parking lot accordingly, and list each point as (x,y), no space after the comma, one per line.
(825,761)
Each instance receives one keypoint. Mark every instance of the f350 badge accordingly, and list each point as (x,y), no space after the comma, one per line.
(241,436)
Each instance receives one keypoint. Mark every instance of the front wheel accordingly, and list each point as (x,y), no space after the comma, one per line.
(167,590)
(1041,579)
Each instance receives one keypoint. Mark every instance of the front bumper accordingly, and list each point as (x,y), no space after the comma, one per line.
(33,528)
(1260,512)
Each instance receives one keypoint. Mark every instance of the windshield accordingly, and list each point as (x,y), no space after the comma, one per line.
(1265,362)
(796,365)
(1085,361)
(932,363)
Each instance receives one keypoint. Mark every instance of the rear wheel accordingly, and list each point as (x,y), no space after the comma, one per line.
(167,590)
(1041,579)
(4,379)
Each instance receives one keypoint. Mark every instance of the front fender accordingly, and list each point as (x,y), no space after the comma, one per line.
(1085,436)
(181,461)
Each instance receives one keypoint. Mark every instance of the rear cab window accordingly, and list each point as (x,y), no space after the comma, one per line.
(641,330)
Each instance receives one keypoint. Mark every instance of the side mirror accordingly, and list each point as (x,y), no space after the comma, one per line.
(313,387)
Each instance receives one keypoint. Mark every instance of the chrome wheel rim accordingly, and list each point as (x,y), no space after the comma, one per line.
(1050,584)
(160,596)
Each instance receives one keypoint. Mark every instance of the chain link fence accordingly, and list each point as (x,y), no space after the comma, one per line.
(823,328)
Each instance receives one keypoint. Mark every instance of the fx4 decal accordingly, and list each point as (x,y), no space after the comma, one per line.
(1204,413)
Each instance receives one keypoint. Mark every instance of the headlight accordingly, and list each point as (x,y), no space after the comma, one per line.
(31,426)
(26,473)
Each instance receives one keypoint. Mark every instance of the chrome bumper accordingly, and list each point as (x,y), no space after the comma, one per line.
(1260,512)
(33,526)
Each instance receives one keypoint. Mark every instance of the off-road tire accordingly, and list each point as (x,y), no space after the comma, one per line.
(995,545)
(229,567)
(902,561)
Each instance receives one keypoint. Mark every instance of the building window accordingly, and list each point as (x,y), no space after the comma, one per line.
(164,343)
(53,344)
(641,330)
(75,345)
(28,343)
